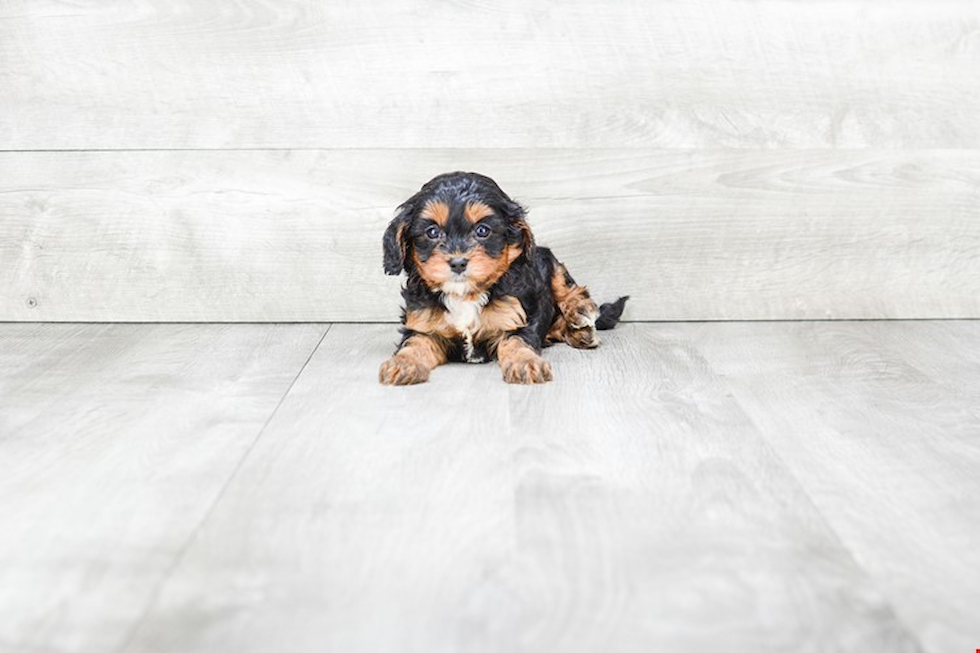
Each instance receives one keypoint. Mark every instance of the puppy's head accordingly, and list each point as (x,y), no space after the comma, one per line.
(459,233)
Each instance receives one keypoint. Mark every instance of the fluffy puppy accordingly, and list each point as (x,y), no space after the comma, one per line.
(478,288)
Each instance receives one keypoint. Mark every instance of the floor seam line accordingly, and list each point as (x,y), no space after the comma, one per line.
(834,534)
(192,537)
(665,322)
(900,621)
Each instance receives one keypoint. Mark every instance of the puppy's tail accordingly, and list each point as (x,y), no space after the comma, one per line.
(609,314)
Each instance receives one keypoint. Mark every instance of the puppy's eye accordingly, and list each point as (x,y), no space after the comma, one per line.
(433,232)
(482,231)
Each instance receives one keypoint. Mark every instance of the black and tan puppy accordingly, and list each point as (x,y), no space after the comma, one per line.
(478,288)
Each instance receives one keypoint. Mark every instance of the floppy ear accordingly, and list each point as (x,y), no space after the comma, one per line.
(518,230)
(394,240)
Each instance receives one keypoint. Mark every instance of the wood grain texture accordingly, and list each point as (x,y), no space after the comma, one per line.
(630,505)
(114,443)
(396,505)
(627,73)
(880,424)
(296,235)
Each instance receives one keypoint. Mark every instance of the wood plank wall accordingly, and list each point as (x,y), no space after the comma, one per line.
(238,159)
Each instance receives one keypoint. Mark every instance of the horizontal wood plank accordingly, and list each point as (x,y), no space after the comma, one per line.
(296,235)
(626,73)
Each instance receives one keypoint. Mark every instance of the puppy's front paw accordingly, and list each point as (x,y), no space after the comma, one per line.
(401,371)
(527,370)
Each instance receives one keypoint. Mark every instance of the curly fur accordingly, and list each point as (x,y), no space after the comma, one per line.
(478,287)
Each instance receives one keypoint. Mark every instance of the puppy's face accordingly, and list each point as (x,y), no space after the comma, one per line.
(460,233)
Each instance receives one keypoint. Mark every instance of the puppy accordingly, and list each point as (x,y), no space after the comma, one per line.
(478,288)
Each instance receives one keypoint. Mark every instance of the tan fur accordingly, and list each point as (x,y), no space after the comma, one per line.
(434,272)
(438,212)
(400,239)
(575,323)
(418,356)
(521,364)
(527,238)
(499,317)
(476,211)
(502,315)
(558,328)
(485,270)
(430,320)
(584,338)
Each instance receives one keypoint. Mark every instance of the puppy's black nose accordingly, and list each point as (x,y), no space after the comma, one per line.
(457,264)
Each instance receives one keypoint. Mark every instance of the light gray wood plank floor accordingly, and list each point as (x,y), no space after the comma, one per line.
(115,441)
(805,486)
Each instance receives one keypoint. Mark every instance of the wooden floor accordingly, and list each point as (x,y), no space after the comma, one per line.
(793,486)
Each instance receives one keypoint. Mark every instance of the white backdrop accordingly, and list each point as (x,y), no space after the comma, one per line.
(239,160)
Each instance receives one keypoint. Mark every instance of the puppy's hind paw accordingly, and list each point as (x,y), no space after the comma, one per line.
(585,338)
(583,315)
(401,371)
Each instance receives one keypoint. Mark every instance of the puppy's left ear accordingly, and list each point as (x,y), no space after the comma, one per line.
(518,230)
(394,243)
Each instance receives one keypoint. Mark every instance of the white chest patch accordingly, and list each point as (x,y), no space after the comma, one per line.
(464,316)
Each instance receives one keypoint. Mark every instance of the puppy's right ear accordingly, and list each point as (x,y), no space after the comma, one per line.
(394,240)
(518,228)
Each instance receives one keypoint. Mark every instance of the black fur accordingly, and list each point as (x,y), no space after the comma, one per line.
(394,242)
(609,314)
(528,278)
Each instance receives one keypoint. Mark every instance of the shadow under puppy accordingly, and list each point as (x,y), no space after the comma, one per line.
(478,288)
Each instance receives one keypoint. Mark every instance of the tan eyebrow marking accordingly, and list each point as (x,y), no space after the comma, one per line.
(476,211)
(436,211)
